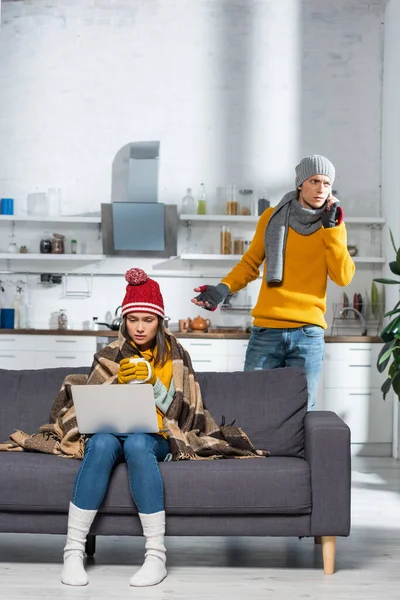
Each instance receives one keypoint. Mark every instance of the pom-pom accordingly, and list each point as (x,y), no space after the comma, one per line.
(136,276)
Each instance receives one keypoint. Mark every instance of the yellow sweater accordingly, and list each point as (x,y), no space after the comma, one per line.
(309,260)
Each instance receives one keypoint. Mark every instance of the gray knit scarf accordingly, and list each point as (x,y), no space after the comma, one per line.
(288,213)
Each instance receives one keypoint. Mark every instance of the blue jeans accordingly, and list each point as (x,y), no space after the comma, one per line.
(141,452)
(302,347)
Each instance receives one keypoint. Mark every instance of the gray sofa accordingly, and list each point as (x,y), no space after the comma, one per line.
(302,489)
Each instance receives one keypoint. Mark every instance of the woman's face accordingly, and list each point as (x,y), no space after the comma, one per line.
(142,329)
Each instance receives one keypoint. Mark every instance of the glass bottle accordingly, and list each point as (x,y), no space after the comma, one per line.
(62,319)
(188,203)
(202,200)
(74,246)
(225,240)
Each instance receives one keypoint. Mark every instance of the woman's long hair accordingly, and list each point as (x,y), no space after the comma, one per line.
(163,353)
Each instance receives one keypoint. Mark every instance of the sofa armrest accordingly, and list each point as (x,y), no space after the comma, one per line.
(327,450)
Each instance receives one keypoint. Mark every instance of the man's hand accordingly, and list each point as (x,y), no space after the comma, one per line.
(211,295)
(333,214)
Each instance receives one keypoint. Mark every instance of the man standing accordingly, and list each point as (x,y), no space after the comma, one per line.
(302,240)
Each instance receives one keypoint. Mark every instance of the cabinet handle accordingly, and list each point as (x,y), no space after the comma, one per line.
(361,349)
(198,344)
(66,357)
(360,394)
(8,340)
(7,356)
(65,341)
(362,366)
(198,361)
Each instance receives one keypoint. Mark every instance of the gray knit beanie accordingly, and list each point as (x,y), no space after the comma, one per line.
(314,165)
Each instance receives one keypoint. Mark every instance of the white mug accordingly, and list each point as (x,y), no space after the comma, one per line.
(136,360)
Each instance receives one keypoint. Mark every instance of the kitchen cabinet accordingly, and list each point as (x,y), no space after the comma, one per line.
(45,351)
(216,354)
(351,388)
(207,355)
(17,352)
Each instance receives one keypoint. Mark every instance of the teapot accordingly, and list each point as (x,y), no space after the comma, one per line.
(199,324)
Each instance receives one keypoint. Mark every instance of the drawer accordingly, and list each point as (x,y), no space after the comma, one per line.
(365,412)
(200,347)
(216,363)
(237,346)
(49,360)
(17,359)
(54,343)
(16,342)
(235,362)
(360,354)
(341,374)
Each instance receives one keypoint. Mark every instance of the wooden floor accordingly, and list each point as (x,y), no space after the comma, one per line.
(367,565)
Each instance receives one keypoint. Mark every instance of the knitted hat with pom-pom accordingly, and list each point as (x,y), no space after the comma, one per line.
(142,294)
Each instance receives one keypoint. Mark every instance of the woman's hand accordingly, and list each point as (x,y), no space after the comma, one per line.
(138,371)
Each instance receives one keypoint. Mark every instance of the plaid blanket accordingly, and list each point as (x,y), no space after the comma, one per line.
(191,431)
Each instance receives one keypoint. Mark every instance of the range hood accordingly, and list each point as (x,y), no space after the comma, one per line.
(135,223)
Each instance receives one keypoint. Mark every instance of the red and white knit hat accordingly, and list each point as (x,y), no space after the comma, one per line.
(142,294)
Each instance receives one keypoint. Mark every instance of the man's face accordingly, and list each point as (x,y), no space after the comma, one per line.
(314,191)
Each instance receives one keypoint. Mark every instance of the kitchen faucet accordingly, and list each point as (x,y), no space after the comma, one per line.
(357,313)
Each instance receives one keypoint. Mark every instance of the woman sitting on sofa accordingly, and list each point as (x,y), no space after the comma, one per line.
(182,420)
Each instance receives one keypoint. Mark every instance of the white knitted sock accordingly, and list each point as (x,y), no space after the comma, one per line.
(153,570)
(79,522)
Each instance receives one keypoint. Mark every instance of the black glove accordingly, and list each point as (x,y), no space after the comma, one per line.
(213,295)
(333,216)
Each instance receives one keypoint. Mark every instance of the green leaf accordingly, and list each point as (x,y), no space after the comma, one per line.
(387,281)
(391,330)
(392,370)
(396,383)
(394,266)
(386,385)
(385,354)
(392,239)
(392,312)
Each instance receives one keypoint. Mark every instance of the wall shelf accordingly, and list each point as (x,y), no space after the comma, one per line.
(48,219)
(237,257)
(52,257)
(251,219)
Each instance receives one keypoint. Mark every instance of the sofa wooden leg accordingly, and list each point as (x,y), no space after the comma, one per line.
(328,553)
(90,547)
(317,539)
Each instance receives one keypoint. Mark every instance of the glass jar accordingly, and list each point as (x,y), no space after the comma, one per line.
(74,246)
(45,246)
(57,246)
(232,204)
(62,319)
(225,240)
(246,202)
(238,246)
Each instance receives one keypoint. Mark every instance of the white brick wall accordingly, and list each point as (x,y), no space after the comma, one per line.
(220,84)
(235,91)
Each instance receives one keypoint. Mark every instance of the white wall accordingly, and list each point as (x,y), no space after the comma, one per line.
(391,160)
(235,91)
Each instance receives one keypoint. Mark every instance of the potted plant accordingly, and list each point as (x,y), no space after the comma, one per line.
(389,355)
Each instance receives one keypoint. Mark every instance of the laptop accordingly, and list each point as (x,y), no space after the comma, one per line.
(117,409)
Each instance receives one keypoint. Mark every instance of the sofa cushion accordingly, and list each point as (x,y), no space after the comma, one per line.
(33,482)
(26,397)
(270,406)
